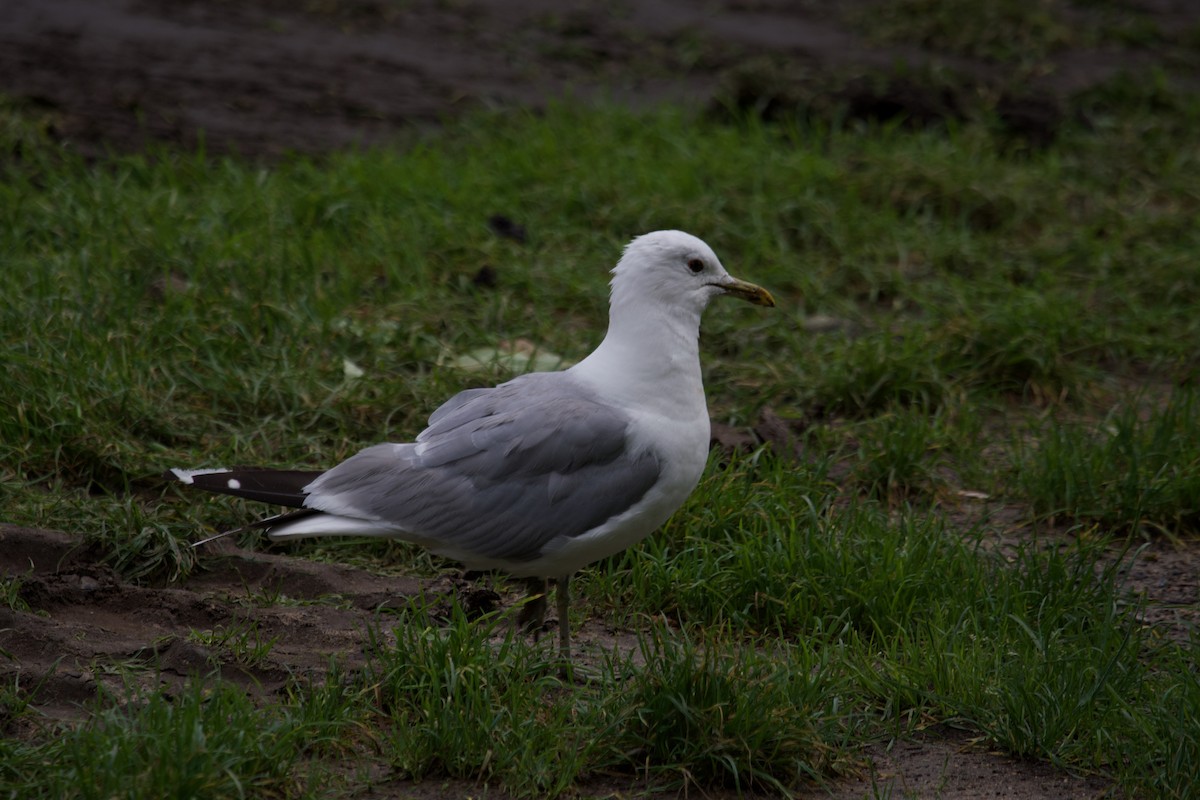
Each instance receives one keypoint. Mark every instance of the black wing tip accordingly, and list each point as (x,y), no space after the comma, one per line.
(281,487)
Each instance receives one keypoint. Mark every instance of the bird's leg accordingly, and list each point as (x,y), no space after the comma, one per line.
(533,612)
(562,595)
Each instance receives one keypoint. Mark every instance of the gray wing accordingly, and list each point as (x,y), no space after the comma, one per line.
(499,472)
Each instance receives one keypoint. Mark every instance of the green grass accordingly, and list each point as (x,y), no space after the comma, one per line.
(696,712)
(241,641)
(10,592)
(1136,470)
(210,742)
(519,727)
(994,305)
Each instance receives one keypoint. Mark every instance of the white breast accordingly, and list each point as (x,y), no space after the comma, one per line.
(682,447)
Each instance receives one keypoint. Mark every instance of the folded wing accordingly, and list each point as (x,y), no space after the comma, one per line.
(498,474)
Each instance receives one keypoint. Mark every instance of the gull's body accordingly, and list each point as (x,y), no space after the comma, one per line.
(550,471)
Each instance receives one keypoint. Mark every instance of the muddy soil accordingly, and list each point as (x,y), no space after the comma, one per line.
(263,78)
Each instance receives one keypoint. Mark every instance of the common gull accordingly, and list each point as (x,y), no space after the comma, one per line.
(549,471)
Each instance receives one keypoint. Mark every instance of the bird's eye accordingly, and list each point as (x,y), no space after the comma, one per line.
(696,266)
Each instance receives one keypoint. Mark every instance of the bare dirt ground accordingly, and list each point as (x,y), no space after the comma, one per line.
(266,77)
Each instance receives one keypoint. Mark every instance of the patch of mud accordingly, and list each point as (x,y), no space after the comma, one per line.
(1165,577)
(946,763)
(82,625)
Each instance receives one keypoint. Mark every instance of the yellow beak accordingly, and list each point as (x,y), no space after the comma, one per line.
(748,291)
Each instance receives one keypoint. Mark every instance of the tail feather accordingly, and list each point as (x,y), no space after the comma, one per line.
(279,487)
(282,487)
(299,525)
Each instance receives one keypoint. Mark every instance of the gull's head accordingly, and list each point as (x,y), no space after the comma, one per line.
(678,271)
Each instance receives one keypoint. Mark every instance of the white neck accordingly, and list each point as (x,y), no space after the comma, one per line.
(655,351)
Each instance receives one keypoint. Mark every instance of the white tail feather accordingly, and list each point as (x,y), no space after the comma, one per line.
(189,475)
(331,525)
